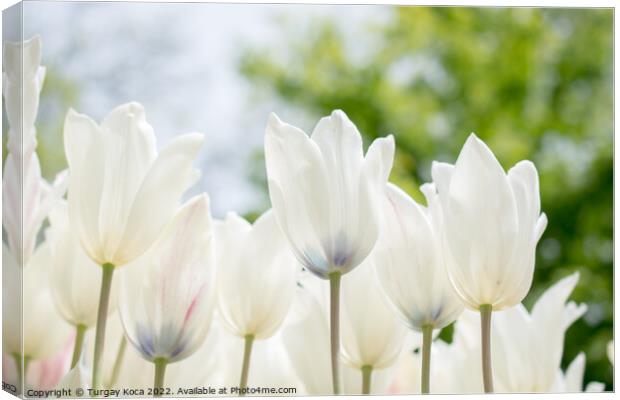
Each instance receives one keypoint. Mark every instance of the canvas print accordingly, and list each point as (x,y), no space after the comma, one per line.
(205,200)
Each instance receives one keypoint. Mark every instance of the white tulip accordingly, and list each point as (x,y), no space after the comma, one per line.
(571,381)
(256,279)
(410,263)
(167,295)
(610,352)
(307,327)
(22,81)
(411,267)
(527,346)
(324,192)
(372,335)
(74,278)
(121,193)
(26,197)
(43,333)
(326,197)
(256,275)
(492,224)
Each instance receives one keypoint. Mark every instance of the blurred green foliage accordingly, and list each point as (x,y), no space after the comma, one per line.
(533,83)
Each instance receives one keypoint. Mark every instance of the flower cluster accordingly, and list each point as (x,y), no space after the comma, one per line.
(341,287)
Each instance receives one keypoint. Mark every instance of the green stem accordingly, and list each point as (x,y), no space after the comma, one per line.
(366,378)
(427,341)
(334,325)
(245,367)
(117,362)
(160,372)
(485,328)
(21,372)
(102,317)
(80,330)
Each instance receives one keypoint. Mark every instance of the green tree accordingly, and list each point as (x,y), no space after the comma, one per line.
(533,83)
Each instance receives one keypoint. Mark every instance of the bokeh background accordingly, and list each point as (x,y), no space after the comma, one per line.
(533,83)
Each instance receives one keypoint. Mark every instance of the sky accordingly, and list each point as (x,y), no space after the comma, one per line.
(181,62)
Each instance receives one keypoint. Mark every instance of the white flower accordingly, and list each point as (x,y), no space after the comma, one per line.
(527,350)
(324,192)
(306,337)
(27,291)
(26,197)
(527,347)
(121,192)
(571,381)
(22,81)
(453,370)
(372,335)
(610,352)
(75,279)
(410,262)
(167,295)
(492,224)
(256,275)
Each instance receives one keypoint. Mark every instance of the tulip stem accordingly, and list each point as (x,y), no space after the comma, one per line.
(160,372)
(366,378)
(102,317)
(21,372)
(334,325)
(427,341)
(80,330)
(245,367)
(485,328)
(117,362)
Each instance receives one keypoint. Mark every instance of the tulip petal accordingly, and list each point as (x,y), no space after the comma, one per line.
(129,151)
(83,141)
(155,201)
(295,169)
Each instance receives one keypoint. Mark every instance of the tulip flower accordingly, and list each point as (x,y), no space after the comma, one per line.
(307,327)
(411,267)
(372,335)
(571,381)
(492,223)
(610,352)
(526,359)
(167,294)
(121,193)
(26,197)
(74,279)
(256,279)
(326,198)
(42,333)
(22,81)
(528,350)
